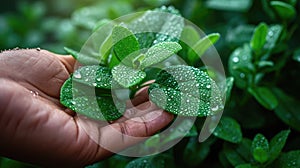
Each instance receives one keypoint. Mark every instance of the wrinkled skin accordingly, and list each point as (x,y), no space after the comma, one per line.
(39,130)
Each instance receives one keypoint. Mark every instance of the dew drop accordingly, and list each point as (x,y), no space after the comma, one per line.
(77,75)
(215,108)
(235,59)
(94,84)
(208,86)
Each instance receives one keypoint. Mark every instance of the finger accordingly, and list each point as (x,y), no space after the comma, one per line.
(68,61)
(141,96)
(137,111)
(118,136)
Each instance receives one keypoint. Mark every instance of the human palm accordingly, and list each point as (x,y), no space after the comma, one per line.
(36,128)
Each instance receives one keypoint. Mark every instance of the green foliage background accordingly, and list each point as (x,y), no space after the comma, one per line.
(259,48)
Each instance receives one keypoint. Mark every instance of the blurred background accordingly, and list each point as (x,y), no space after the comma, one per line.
(55,24)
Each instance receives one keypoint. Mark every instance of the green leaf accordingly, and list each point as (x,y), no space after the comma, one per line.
(240,65)
(289,159)
(158,53)
(94,76)
(284,10)
(230,5)
(229,130)
(277,143)
(262,64)
(127,76)
(265,97)
(156,161)
(259,37)
(194,153)
(82,99)
(260,148)
(160,25)
(125,44)
(186,91)
(72,52)
(189,35)
(288,109)
(229,85)
(296,55)
(202,46)
(273,35)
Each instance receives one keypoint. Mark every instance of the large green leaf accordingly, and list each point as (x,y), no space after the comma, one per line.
(231,5)
(260,148)
(186,91)
(94,76)
(229,130)
(259,37)
(265,97)
(277,143)
(127,76)
(288,109)
(284,10)
(158,53)
(125,44)
(83,99)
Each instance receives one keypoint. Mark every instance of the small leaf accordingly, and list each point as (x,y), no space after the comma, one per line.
(158,53)
(229,130)
(277,143)
(127,76)
(186,91)
(260,148)
(289,159)
(94,76)
(241,59)
(284,10)
(230,5)
(273,35)
(288,109)
(262,64)
(202,45)
(296,55)
(229,85)
(82,99)
(189,35)
(259,37)
(265,97)
(125,43)
(72,52)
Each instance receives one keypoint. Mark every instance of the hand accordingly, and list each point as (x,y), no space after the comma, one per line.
(37,129)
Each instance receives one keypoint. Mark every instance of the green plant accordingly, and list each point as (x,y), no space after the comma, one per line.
(180,89)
